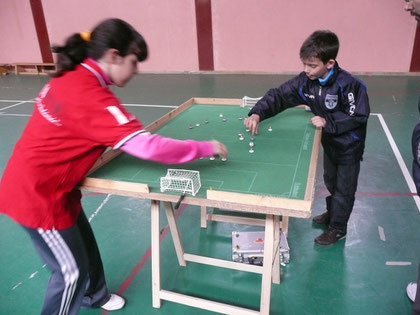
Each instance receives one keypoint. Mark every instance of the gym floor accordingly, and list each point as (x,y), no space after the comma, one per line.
(366,273)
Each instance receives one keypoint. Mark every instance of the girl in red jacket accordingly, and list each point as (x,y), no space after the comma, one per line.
(75,118)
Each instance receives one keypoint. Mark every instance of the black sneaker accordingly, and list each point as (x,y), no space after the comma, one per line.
(329,237)
(322,218)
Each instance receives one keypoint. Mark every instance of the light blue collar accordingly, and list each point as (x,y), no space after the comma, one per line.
(324,81)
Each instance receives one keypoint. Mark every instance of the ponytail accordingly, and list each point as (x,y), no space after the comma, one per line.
(71,54)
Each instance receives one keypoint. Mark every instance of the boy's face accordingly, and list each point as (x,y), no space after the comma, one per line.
(315,68)
(413,6)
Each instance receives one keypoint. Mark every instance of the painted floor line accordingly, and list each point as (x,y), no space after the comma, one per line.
(31,276)
(16,286)
(146,256)
(381,233)
(398,263)
(15,115)
(90,219)
(14,101)
(14,105)
(400,160)
(94,214)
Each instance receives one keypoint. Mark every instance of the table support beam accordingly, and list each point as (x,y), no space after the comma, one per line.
(155,223)
(276,264)
(179,249)
(268,265)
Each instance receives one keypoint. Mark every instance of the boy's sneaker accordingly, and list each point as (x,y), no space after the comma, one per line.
(411,290)
(329,237)
(114,303)
(322,218)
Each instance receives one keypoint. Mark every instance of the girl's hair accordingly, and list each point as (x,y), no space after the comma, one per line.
(111,33)
(322,44)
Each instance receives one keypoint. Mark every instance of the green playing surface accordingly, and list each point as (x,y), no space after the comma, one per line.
(278,167)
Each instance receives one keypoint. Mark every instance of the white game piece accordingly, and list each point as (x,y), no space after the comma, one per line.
(240,118)
(224,159)
(270,129)
(241,138)
(191,127)
(251,151)
(224,119)
(247,130)
(252,138)
(206,121)
(220,115)
(212,158)
(251,144)
(197,124)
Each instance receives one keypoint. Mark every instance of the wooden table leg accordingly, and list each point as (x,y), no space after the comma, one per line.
(203,217)
(155,238)
(284,224)
(268,265)
(173,226)
(276,264)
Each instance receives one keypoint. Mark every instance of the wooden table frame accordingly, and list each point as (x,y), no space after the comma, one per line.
(273,208)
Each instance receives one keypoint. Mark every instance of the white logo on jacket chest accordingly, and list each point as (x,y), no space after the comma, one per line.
(331,101)
(352,105)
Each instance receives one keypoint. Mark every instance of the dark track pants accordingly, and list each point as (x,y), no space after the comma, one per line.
(77,278)
(341,182)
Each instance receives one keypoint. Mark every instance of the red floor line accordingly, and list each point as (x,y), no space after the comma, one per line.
(370,194)
(137,268)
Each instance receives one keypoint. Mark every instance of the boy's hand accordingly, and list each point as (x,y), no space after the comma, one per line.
(252,123)
(219,149)
(318,121)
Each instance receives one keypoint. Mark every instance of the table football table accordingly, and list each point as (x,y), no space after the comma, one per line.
(272,174)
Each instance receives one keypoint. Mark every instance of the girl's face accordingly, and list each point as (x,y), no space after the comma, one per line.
(315,68)
(122,69)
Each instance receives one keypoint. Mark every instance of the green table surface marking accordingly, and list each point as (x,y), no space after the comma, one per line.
(277,168)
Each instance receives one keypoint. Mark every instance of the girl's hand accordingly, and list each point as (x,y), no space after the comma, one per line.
(219,149)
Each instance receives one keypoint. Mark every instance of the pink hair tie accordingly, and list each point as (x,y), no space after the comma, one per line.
(85,35)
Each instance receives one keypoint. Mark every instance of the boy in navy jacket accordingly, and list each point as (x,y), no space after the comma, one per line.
(340,104)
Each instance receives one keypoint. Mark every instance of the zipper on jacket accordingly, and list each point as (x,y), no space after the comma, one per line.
(320,90)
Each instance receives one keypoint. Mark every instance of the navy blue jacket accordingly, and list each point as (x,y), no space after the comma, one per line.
(342,100)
